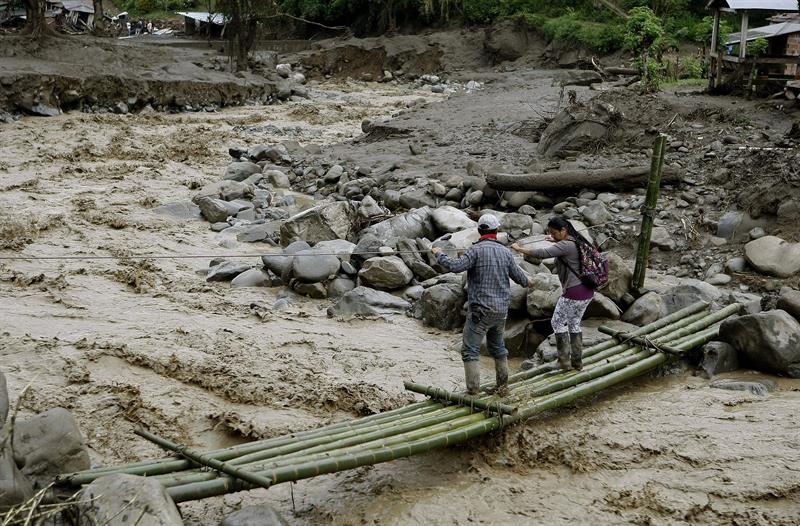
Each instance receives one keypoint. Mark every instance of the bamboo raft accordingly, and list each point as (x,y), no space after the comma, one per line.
(444,420)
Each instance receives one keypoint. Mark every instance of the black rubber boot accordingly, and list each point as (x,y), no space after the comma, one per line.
(472,373)
(576,354)
(501,376)
(563,347)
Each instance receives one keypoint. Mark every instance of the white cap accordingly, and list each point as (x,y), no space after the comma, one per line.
(488,222)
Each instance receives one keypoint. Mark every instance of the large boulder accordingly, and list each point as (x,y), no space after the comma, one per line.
(280,264)
(544,294)
(311,266)
(122,499)
(51,444)
(340,286)
(619,278)
(364,301)
(602,307)
(259,515)
(241,170)
(578,128)
(255,277)
(410,225)
(789,300)
(688,292)
(409,251)
(385,273)
(646,309)
(14,487)
(774,256)
(321,223)
(447,220)
(226,270)
(226,190)
(718,357)
(769,341)
(440,306)
(217,210)
(520,339)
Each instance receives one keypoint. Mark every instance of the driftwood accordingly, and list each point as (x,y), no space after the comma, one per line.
(617,178)
(613,70)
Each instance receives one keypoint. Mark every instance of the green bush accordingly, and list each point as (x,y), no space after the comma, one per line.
(480,11)
(691,68)
(147,6)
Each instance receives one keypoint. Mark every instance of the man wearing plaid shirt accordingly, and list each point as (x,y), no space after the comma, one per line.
(489,264)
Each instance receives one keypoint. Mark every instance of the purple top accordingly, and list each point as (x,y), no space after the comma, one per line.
(579,292)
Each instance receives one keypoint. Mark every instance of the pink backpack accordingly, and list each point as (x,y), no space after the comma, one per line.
(593,271)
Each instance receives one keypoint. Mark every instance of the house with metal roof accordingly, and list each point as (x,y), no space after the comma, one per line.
(782,58)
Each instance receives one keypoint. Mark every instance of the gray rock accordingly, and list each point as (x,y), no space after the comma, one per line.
(50,444)
(226,270)
(546,351)
(718,357)
(769,341)
(688,292)
(182,210)
(14,487)
(255,277)
(340,286)
(719,279)
(417,198)
(662,239)
(646,309)
(759,388)
(370,209)
(321,223)
(789,300)
(518,225)
(225,190)
(517,199)
(259,515)
(333,174)
(410,225)
(217,210)
(520,339)
(757,233)
(774,256)
(259,232)
(414,292)
(602,307)
(128,499)
(277,179)
(578,128)
(789,210)
(317,291)
(364,301)
(241,170)
(580,77)
(544,294)
(737,264)
(349,269)
(368,246)
(447,220)
(619,278)
(276,153)
(595,213)
(280,264)
(735,225)
(309,266)
(385,272)
(440,306)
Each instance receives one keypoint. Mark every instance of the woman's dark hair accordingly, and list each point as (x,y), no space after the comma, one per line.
(560,223)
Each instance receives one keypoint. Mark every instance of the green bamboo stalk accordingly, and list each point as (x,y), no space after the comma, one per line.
(649,213)
(349,461)
(639,341)
(443,395)
(200,458)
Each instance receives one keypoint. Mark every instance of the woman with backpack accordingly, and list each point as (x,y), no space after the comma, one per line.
(581,269)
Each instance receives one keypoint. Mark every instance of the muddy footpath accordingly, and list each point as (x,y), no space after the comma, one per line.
(129,343)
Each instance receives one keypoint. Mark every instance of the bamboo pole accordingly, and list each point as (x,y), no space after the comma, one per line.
(638,340)
(483,425)
(205,460)
(465,400)
(649,212)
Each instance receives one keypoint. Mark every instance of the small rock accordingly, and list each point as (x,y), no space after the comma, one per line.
(595,213)
(284,70)
(334,174)
(277,179)
(239,171)
(719,279)
(718,357)
(340,286)
(757,233)
(364,301)
(737,264)
(113,498)
(316,291)
(662,239)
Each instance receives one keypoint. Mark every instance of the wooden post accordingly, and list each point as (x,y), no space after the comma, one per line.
(713,62)
(743,36)
(648,213)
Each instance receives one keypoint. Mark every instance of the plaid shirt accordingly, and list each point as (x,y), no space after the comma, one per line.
(489,265)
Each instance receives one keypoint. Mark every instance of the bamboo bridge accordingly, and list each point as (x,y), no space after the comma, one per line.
(443,420)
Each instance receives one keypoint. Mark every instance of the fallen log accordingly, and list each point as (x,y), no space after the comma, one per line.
(613,70)
(617,178)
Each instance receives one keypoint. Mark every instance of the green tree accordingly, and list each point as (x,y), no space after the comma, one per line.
(642,30)
(241,28)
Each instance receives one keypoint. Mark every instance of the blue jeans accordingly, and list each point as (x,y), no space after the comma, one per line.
(482,323)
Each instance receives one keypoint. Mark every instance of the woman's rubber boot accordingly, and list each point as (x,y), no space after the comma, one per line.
(576,356)
(472,373)
(563,348)
(500,376)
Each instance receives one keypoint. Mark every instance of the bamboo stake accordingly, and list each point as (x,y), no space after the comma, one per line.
(649,213)
(200,458)
(469,401)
